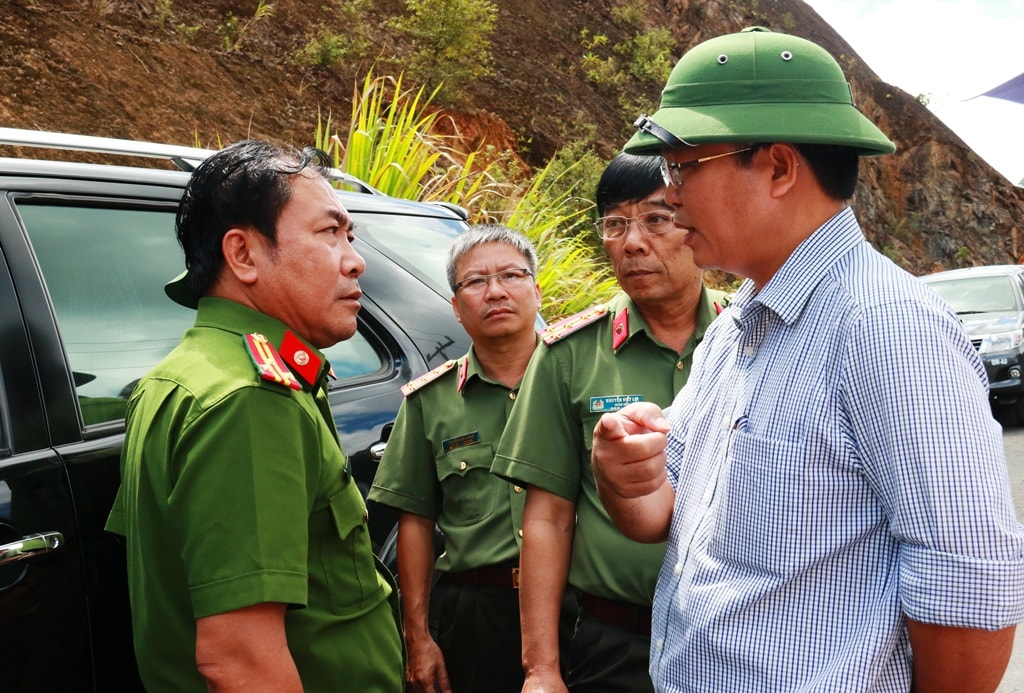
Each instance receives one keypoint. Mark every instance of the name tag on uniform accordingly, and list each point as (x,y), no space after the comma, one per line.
(612,402)
(461,441)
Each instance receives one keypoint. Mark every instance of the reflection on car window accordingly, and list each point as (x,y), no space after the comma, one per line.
(354,357)
(421,248)
(105,269)
(977,294)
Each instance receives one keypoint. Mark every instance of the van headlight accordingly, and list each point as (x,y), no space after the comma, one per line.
(1003,341)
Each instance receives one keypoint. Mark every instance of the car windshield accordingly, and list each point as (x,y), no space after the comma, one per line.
(977,294)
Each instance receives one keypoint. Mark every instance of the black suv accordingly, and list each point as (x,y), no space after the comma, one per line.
(84,252)
(990,303)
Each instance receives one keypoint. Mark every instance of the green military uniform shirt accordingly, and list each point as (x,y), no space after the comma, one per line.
(235,491)
(607,363)
(438,459)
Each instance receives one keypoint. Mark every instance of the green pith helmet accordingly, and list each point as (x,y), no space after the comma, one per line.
(757,86)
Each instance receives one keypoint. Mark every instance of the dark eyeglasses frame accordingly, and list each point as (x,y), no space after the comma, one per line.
(672,172)
(639,219)
(496,276)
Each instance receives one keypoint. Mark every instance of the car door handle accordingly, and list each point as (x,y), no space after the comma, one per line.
(377,451)
(30,545)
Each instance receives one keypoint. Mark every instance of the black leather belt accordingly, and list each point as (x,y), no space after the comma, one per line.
(489,576)
(631,617)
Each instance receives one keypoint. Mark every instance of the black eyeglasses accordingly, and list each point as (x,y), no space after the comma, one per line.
(672,173)
(506,278)
(655,223)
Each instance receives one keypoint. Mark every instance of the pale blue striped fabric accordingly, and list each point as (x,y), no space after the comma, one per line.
(837,466)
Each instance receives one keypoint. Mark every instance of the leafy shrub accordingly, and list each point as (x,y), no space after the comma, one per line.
(391,146)
(328,46)
(452,42)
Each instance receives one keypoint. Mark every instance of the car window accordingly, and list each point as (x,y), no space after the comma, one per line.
(420,247)
(105,268)
(977,294)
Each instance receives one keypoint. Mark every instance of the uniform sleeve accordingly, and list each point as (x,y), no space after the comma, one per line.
(245,475)
(407,476)
(921,422)
(542,442)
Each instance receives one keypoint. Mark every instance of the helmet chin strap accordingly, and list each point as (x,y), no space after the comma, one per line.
(645,124)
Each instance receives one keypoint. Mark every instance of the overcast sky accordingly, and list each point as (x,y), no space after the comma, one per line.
(949,51)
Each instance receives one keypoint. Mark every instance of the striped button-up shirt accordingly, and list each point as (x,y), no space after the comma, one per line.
(837,469)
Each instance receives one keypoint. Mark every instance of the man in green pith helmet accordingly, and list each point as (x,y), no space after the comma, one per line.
(637,347)
(837,511)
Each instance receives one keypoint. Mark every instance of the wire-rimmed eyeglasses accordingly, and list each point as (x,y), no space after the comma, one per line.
(506,278)
(672,172)
(654,223)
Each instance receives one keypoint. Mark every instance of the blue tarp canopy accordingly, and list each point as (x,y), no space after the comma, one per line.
(1012,90)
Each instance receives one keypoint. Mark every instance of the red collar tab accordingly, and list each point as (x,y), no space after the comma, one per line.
(620,328)
(300,357)
(268,361)
(463,372)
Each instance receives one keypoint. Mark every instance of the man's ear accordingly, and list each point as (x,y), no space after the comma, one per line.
(455,309)
(240,246)
(785,163)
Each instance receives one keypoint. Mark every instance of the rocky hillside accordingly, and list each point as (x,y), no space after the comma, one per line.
(165,70)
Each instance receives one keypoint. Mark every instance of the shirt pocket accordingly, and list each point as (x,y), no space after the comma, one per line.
(763,510)
(470,490)
(347,556)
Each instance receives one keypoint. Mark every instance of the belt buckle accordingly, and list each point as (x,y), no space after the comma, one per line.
(515,578)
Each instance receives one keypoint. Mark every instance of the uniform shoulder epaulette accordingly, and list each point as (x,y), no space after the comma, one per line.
(573,323)
(268,361)
(428,377)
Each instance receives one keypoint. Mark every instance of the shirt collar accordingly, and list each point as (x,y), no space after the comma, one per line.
(706,313)
(469,368)
(787,292)
(224,314)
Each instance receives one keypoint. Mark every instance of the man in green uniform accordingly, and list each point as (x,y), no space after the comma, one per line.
(437,469)
(636,348)
(249,560)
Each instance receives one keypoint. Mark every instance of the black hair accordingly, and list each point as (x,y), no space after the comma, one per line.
(835,166)
(628,178)
(246,184)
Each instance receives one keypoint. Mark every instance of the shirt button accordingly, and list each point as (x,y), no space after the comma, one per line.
(677,569)
(660,644)
(726,423)
(462,466)
(707,498)
(749,351)
(520,533)
(517,489)
(679,365)
(511,395)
